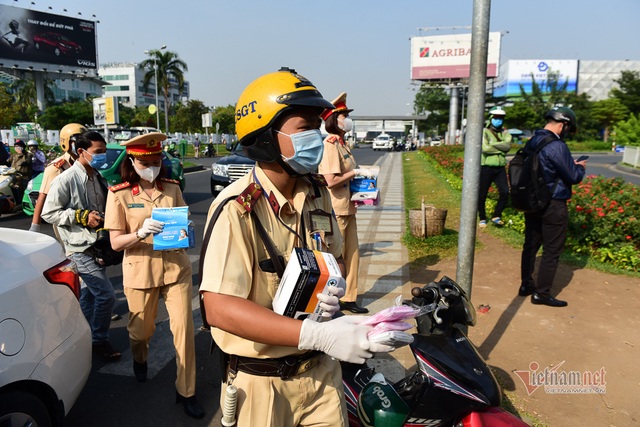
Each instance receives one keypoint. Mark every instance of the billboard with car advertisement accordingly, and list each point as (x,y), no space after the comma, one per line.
(516,73)
(449,57)
(39,38)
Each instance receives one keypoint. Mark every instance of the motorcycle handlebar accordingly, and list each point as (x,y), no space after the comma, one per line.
(428,293)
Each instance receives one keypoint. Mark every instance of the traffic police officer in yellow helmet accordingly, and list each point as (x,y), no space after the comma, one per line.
(285,370)
(67,142)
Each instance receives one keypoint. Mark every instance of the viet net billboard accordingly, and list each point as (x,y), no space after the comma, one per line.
(516,73)
(29,36)
(449,57)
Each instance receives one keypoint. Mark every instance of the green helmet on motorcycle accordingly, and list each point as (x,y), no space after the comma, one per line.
(380,405)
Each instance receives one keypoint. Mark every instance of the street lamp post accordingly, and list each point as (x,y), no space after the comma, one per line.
(155,72)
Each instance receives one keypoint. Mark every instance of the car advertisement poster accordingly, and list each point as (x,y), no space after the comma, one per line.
(449,57)
(517,73)
(43,38)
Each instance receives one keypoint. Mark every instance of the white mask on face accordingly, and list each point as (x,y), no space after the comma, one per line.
(346,125)
(148,174)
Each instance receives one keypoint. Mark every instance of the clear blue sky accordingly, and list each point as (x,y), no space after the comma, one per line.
(358,46)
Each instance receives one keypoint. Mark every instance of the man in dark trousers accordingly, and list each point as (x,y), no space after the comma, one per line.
(548,228)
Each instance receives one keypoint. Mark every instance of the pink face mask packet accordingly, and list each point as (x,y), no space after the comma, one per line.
(389,326)
(392,314)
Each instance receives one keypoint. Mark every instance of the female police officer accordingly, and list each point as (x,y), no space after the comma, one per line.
(149,274)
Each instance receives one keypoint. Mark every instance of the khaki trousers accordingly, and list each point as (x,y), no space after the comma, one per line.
(350,253)
(314,398)
(143,309)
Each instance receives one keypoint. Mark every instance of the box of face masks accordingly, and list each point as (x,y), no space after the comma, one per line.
(176,230)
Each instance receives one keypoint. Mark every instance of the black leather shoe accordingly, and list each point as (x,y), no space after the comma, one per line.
(140,370)
(547,300)
(191,406)
(353,307)
(525,291)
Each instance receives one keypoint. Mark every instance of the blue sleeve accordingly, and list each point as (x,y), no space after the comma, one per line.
(566,168)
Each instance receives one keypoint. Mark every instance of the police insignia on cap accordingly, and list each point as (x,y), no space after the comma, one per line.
(146,144)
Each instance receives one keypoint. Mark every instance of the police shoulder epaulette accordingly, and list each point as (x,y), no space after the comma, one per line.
(249,196)
(59,163)
(332,139)
(319,179)
(174,181)
(120,186)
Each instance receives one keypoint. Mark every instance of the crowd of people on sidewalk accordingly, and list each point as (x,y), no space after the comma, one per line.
(299,191)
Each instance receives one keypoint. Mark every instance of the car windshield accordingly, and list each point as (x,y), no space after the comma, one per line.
(112,156)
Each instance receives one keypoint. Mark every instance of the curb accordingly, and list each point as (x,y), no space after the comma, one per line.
(193,168)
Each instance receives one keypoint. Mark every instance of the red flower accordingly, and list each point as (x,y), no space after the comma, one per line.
(600,213)
(620,210)
(579,208)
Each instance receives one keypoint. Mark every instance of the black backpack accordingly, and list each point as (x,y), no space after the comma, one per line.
(529,191)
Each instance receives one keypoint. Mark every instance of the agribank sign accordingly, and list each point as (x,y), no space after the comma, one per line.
(449,57)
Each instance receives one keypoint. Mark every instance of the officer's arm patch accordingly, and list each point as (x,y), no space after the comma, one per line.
(175,181)
(332,139)
(249,196)
(59,163)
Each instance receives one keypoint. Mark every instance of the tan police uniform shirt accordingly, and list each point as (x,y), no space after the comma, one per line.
(127,208)
(337,159)
(231,264)
(54,169)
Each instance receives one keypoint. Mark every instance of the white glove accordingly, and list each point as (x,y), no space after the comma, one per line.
(362,172)
(149,226)
(344,338)
(35,227)
(330,303)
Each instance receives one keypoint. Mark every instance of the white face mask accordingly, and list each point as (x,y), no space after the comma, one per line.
(346,125)
(148,174)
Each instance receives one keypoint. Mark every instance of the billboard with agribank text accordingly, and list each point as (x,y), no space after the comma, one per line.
(449,57)
(30,36)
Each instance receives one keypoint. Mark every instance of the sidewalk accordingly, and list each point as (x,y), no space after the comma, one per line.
(598,334)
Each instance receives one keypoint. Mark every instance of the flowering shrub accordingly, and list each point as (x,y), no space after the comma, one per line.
(603,212)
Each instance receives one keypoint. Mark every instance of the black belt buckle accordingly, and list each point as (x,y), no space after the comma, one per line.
(289,367)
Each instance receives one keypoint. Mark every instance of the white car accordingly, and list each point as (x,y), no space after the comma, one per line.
(381,142)
(45,341)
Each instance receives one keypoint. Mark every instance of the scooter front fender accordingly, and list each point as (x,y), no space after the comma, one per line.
(493,417)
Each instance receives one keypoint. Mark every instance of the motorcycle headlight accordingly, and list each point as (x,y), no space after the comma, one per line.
(220,170)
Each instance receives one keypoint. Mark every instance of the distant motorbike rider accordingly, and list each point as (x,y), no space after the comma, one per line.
(39,158)
(21,161)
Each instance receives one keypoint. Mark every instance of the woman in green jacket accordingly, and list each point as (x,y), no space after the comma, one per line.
(496,142)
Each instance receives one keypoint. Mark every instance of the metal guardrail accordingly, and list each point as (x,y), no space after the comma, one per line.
(631,156)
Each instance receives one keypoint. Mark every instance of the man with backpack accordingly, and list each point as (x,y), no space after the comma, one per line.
(547,227)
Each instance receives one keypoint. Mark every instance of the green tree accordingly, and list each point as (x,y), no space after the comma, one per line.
(170,69)
(629,91)
(142,117)
(547,95)
(56,116)
(628,132)
(608,112)
(522,116)
(8,114)
(26,98)
(225,116)
(432,99)
(188,117)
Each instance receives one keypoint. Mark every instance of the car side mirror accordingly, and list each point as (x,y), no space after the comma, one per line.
(230,146)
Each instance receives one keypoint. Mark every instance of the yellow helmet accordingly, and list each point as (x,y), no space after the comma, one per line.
(67,134)
(264,100)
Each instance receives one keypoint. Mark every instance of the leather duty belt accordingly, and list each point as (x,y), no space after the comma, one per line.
(283,367)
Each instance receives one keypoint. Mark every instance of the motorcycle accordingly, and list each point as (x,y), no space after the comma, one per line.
(452,385)
(209,151)
(10,192)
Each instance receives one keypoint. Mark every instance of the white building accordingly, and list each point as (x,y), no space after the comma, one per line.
(126,80)
(596,78)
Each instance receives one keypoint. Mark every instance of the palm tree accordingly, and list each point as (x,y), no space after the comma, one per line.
(26,97)
(170,69)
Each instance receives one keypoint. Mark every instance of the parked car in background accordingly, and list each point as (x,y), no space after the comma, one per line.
(229,168)
(45,341)
(57,43)
(382,142)
(110,171)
